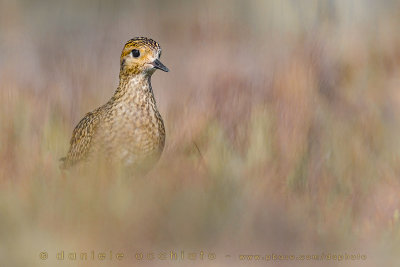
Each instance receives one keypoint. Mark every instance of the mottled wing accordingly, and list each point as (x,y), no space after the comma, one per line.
(81,139)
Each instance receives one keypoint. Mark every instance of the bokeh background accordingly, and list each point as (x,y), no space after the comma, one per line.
(282,119)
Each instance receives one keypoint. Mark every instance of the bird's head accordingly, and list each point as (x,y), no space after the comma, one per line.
(141,55)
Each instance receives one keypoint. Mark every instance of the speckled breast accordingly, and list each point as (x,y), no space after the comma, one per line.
(133,135)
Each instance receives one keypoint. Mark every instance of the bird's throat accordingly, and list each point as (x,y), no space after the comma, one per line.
(135,86)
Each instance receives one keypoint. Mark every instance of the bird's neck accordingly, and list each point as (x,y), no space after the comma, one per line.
(134,86)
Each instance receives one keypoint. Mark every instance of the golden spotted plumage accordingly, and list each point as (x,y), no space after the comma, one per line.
(128,129)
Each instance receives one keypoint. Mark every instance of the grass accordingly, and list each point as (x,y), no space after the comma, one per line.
(282,131)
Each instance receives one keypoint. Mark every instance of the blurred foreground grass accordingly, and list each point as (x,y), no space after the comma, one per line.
(294,108)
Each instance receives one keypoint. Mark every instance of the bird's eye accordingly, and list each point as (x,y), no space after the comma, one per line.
(135,53)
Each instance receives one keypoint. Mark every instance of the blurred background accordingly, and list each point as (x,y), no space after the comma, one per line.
(294,107)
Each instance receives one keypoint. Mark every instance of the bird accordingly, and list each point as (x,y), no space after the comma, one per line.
(128,130)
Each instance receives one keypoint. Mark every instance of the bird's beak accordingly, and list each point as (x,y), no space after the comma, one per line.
(158,65)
